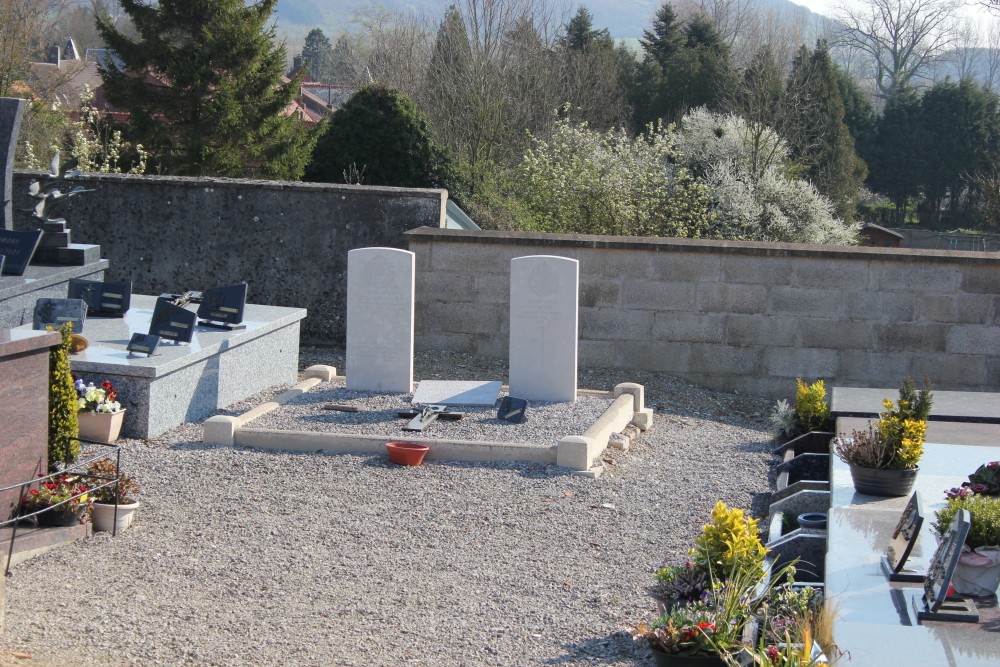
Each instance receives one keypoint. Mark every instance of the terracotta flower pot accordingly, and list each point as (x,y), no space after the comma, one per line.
(101,427)
(883,481)
(406,453)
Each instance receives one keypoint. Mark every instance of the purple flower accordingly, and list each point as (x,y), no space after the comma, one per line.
(960,492)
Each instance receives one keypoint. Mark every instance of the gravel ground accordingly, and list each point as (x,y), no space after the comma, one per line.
(244,557)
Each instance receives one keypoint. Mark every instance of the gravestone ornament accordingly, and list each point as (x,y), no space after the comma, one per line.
(938,605)
(104,299)
(11,110)
(57,312)
(380,308)
(421,420)
(222,307)
(904,537)
(141,343)
(172,322)
(512,410)
(544,298)
(18,248)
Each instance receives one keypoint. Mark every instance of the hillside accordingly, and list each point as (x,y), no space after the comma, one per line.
(624,18)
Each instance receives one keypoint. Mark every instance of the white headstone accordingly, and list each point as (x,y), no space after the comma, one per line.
(544,298)
(380,297)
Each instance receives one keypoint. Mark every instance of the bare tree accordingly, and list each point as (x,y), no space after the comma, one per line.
(732,19)
(966,54)
(901,38)
(993,55)
(22,24)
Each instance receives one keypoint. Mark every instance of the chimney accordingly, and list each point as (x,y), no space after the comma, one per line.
(54,55)
(296,64)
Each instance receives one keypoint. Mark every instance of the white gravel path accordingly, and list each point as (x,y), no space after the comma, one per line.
(243,557)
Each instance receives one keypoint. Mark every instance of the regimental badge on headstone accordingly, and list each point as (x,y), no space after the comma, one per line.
(18,248)
(172,322)
(222,307)
(938,606)
(141,343)
(108,299)
(904,537)
(57,312)
(512,410)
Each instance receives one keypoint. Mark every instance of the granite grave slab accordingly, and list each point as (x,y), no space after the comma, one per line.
(11,111)
(956,406)
(446,392)
(186,383)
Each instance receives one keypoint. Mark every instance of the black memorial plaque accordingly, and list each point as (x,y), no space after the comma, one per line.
(57,312)
(904,537)
(172,322)
(18,248)
(938,605)
(143,343)
(512,410)
(223,307)
(108,299)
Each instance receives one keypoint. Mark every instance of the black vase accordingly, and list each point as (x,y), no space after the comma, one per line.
(883,481)
(61,517)
(663,659)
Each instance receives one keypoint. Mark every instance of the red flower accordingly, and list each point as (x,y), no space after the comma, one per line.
(34,492)
(51,485)
(704,625)
(773,653)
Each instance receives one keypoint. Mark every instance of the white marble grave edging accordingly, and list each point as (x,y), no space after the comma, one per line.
(575,452)
(544,327)
(380,311)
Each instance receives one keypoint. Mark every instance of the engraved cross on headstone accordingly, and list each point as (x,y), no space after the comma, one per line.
(11,110)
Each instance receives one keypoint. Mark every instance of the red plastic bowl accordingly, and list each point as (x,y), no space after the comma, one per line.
(406,453)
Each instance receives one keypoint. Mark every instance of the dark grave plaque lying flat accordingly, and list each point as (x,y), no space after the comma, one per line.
(57,312)
(938,605)
(141,343)
(512,410)
(904,536)
(222,307)
(172,322)
(108,299)
(18,248)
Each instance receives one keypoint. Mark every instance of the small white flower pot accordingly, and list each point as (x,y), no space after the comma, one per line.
(103,516)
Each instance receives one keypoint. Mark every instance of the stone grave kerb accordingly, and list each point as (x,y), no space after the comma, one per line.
(544,327)
(380,316)
(11,111)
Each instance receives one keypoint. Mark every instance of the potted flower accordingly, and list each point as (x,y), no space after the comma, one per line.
(100,414)
(110,500)
(64,497)
(978,570)
(709,602)
(811,414)
(883,458)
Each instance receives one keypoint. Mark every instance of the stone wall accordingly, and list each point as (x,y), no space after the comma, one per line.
(738,316)
(289,241)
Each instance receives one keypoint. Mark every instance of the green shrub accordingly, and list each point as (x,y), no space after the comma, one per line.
(811,411)
(64,426)
(729,544)
(984,512)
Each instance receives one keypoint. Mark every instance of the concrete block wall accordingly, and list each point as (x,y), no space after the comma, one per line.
(288,240)
(732,315)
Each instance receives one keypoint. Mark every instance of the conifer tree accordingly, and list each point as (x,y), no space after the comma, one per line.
(898,145)
(816,133)
(201,81)
(64,425)
(317,52)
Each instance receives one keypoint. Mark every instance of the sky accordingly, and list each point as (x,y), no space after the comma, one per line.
(973,10)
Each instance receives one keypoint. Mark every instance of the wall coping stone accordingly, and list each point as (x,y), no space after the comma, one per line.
(218,181)
(655,244)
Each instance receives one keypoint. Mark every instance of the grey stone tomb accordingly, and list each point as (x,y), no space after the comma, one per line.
(380,307)
(10,126)
(544,298)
